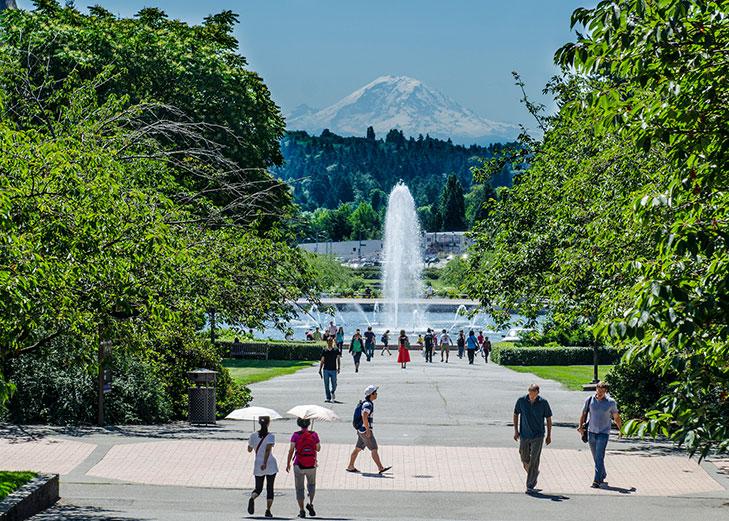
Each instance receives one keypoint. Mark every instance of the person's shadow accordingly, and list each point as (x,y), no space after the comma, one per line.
(622,490)
(552,497)
(375,475)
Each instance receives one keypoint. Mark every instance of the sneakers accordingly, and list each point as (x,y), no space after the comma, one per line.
(302,513)
(268,514)
(327,400)
(251,506)
(310,508)
(595,484)
(334,397)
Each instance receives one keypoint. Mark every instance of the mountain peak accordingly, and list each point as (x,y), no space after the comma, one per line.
(406,104)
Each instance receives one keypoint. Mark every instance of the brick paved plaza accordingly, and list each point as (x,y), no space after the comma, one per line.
(438,435)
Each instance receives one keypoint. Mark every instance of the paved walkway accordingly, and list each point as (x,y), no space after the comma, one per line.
(444,428)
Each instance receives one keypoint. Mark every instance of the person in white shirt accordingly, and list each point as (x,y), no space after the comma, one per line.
(264,466)
(445,345)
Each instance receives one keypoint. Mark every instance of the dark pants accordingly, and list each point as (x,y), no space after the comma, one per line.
(356,357)
(369,351)
(471,354)
(429,354)
(530,451)
(330,382)
(269,485)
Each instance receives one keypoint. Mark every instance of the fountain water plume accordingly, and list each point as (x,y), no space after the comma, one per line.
(403,260)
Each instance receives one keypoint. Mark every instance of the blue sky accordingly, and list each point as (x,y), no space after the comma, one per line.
(317,51)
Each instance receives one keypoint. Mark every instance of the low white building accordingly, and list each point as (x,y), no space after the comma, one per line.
(434,243)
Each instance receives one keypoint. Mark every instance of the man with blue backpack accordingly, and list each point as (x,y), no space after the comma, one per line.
(362,422)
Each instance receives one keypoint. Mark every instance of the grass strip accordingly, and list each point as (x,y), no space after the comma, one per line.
(252,371)
(10,481)
(571,376)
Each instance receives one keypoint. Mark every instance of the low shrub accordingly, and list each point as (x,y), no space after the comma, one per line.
(11,481)
(636,386)
(506,353)
(282,350)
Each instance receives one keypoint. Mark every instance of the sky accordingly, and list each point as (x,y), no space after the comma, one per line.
(315,52)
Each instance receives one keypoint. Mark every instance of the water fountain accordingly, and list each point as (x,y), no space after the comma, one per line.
(403,260)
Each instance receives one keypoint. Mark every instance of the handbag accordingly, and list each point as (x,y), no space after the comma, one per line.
(585,434)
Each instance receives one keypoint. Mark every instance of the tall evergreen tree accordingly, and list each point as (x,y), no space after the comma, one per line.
(453,206)
(370,134)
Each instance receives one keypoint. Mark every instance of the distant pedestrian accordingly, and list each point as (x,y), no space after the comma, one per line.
(403,350)
(329,367)
(602,409)
(445,345)
(331,331)
(385,339)
(480,339)
(340,340)
(304,447)
(428,342)
(530,412)
(471,346)
(461,343)
(264,466)
(486,349)
(317,334)
(356,346)
(370,341)
(362,422)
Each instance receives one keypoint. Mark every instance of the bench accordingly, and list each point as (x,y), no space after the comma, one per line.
(248,350)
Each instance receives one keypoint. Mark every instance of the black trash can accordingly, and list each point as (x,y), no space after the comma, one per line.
(202,396)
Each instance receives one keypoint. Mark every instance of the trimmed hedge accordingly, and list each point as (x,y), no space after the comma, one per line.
(506,353)
(281,350)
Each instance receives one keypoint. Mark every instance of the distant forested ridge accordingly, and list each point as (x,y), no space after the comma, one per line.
(328,170)
(342,183)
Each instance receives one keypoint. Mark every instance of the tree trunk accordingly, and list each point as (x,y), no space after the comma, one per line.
(7,4)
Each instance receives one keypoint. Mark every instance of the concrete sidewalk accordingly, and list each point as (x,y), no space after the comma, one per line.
(445,428)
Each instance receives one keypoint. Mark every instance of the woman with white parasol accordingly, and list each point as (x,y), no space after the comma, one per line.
(304,448)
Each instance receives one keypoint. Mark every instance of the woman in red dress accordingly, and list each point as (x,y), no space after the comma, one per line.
(403,351)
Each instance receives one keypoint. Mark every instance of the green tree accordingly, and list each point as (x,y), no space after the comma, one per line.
(666,83)
(452,206)
(365,222)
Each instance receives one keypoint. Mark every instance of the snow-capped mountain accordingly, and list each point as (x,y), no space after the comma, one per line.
(403,103)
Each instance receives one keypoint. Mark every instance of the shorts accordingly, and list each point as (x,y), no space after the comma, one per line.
(365,442)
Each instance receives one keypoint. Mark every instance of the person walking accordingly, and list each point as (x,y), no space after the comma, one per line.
(403,350)
(303,448)
(461,343)
(340,340)
(317,334)
(428,341)
(480,338)
(329,367)
(602,410)
(385,339)
(471,346)
(530,412)
(355,347)
(486,349)
(265,466)
(370,341)
(445,345)
(331,331)
(362,422)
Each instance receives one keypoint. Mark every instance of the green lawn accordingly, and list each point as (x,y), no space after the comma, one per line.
(571,376)
(10,481)
(252,371)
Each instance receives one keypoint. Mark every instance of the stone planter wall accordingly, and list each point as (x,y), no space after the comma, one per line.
(30,499)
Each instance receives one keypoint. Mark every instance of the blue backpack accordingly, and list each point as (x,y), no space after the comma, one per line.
(357,422)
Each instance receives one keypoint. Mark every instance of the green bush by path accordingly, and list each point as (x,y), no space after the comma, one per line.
(246,372)
(571,376)
(10,481)
(508,354)
(282,350)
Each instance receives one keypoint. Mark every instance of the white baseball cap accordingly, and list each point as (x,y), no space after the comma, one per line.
(370,389)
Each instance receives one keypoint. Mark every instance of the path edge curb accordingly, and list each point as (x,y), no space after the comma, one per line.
(35,496)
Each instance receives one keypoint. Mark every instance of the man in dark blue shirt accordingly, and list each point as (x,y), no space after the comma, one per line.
(530,412)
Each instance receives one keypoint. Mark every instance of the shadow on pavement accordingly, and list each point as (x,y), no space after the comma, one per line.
(75,513)
(375,475)
(552,497)
(619,489)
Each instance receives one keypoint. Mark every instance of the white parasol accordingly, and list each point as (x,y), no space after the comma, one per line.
(253,413)
(313,412)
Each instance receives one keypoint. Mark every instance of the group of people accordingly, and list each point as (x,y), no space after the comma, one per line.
(531,413)
(304,446)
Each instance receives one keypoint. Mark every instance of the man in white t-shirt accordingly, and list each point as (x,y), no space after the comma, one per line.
(445,345)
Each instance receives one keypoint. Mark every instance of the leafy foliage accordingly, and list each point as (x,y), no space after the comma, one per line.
(10,481)
(666,84)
